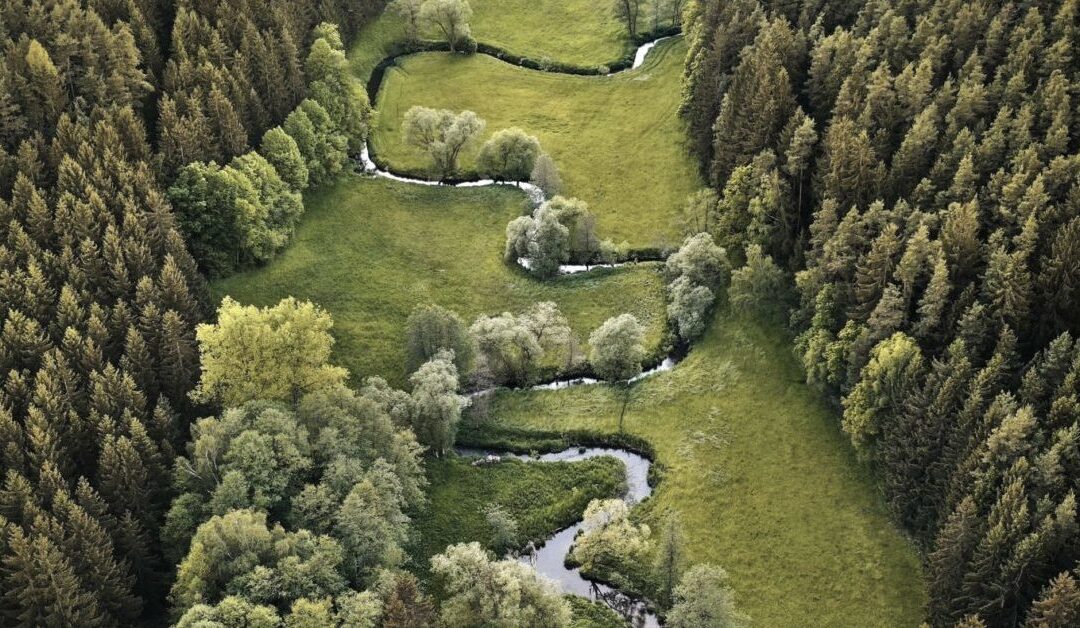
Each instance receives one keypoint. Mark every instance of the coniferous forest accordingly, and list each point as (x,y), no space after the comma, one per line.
(193,192)
(914,165)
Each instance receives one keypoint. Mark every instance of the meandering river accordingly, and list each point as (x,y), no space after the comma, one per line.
(549,559)
(535,194)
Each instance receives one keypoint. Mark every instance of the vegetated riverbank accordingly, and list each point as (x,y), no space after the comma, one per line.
(570,33)
(550,557)
(762,479)
(840,584)
(371,250)
(617,140)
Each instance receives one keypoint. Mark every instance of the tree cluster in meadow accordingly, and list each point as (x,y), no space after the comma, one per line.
(297,493)
(509,155)
(559,231)
(515,349)
(914,166)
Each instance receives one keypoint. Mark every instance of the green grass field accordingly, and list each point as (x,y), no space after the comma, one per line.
(371,250)
(580,32)
(764,482)
(617,140)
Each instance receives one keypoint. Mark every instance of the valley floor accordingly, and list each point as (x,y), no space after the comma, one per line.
(754,462)
(762,479)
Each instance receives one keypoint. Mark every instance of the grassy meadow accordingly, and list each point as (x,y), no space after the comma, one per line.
(371,250)
(617,139)
(763,480)
(579,32)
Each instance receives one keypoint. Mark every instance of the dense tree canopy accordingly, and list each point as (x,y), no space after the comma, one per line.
(915,168)
(504,592)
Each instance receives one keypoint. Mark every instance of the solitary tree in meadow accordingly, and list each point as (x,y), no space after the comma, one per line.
(509,155)
(618,348)
(451,17)
(442,134)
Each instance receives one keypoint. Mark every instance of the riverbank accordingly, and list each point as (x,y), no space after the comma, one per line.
(762,479)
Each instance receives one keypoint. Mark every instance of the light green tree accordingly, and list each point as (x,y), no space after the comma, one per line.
(545,175)
(759,287)
(281,150)
(332,85)
(895,365)
(370,524)
(451,17)
(504,527)
(702,262)
(436,404)
(239,553)
(508,155)
(432,328)
(231,612)
(688,306)
(609,540)
(278,352)
(618,348)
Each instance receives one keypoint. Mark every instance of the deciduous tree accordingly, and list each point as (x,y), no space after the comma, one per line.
(451,17)
(278,352)
(509,155)
(442,134)
(482,591)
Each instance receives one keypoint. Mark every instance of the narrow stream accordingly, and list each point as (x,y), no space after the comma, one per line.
(549,559)
(666,364)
